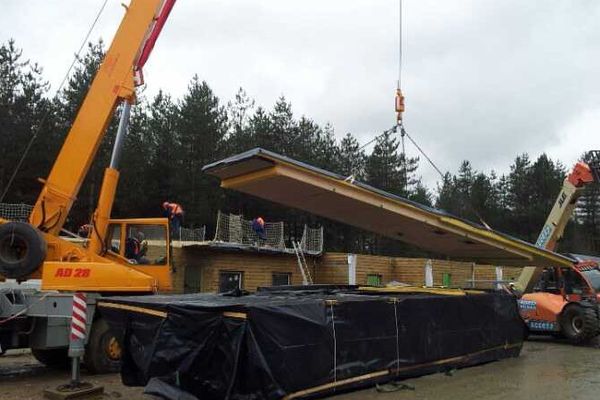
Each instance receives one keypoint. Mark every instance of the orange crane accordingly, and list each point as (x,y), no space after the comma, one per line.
(564,301)
(103,266)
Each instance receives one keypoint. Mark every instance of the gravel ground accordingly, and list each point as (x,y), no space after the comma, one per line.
(547,369)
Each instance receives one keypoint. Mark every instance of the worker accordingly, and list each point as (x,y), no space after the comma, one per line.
(258,226)
(85,230)
(136,248)
(174,212)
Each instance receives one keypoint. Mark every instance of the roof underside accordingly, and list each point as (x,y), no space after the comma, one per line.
(294,184)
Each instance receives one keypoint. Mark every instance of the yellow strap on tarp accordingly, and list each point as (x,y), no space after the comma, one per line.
(419,289)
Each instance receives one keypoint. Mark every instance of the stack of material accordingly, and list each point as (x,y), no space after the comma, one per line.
(300,343)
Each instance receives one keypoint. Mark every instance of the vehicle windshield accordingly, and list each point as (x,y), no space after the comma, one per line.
(593,275)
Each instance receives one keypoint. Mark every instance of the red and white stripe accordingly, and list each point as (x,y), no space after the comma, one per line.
(79,317)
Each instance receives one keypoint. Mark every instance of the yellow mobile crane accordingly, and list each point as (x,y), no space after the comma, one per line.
(34,250)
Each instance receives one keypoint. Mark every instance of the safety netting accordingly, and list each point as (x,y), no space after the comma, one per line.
(312,240)
(15,212)
(233,228)
(236,230)
(192,235)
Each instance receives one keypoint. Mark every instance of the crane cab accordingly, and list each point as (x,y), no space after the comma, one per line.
(142,244)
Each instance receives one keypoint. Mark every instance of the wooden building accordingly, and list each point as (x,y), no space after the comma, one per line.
(214,268)
(222,268)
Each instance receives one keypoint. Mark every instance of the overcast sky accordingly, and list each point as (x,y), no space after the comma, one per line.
(484,80)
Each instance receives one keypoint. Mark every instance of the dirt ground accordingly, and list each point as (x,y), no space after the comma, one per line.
(546,370)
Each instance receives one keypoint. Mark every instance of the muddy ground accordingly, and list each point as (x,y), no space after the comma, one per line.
(546,370)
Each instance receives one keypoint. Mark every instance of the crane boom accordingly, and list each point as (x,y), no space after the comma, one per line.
(113,83)
(563,208)
(582,175)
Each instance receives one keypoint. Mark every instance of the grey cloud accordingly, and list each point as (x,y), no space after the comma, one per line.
(484,80)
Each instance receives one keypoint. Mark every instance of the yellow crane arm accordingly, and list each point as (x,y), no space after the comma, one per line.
(113,83)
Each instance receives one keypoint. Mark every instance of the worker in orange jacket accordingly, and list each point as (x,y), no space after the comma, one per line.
(174,212)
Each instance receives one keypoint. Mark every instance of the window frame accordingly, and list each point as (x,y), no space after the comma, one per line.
(240,280)
(379,279)
(286,274)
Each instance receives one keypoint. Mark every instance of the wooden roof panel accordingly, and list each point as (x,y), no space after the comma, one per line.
(294,184)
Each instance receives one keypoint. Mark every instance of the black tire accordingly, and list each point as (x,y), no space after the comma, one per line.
(22,250)
(526,332)
(100,353)
(579,323)
(53,358)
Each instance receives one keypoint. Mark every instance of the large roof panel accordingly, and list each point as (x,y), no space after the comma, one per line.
(280,179)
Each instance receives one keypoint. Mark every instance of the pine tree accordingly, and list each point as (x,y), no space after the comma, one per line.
(25,115)
(447,198)
(166,153)
(135,182)
(68,102)
(421,195)
(202,127)
(387,169)
(352,159)
(284,129)
(239,114)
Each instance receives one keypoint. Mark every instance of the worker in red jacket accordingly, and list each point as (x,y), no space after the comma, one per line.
(174,212)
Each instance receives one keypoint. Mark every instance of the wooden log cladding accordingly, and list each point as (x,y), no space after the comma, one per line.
(257,268)
(205,265)
(332,268)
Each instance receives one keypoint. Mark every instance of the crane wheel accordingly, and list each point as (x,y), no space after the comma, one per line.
(103,352)
(579,323)
(22,250)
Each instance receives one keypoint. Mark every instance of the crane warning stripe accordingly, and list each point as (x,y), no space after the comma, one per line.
(79,317)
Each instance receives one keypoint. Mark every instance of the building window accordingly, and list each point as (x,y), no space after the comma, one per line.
(374,280)
(447,279)
(229,281)
(281,279)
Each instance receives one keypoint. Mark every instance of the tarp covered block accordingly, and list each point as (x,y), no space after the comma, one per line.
(304,343)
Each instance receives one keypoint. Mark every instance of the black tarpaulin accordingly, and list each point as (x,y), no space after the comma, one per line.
(297,344)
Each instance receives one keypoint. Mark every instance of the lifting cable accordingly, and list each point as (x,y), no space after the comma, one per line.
(45,116)
(400,98)
(400,106)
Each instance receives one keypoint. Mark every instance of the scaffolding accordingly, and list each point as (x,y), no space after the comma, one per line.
(235,230)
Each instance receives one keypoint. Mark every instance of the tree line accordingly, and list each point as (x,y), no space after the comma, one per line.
(170,139)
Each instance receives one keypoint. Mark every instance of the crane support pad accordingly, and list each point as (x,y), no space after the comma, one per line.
(282,180)
(304,341)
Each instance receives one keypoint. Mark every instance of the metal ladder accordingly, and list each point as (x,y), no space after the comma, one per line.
(306,277)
